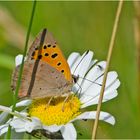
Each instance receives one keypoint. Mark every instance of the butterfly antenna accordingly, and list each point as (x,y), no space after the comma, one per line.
(79,89)
(91,81)
(101,68)
(81,61)
(100,84)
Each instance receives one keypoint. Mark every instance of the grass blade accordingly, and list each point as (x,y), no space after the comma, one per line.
(21,67)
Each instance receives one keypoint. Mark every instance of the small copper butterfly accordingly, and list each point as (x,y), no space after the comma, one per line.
(46,72)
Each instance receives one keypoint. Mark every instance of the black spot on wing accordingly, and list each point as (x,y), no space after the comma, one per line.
(58,64)
(54,55)
(45,47)
(49,45)
(62,71)
(46,54)
(40,56)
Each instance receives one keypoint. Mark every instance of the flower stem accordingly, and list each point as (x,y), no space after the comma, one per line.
(111,46)
(21,67)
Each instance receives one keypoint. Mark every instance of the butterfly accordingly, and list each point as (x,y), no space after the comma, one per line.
(46,72)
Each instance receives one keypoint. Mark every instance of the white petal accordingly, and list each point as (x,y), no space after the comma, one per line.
(18,59)
(4,114)
(82,64)
(95,100)
(52,128)
(93,74)
(18,123)
(88,96)
(3,117)
(24,103)
(81,67)
(9,110)
(21,125)
(93,91)
(92,63)
(104,116)
(113,86)
(33,125)
(109,96)
(3,129)
(72,58)
(20,130)
(23,113)
(6,109)
(68,132)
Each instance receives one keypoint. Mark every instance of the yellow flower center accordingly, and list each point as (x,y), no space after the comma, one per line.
(57,112)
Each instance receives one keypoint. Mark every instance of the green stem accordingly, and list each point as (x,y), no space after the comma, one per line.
(109,55)
(21,67)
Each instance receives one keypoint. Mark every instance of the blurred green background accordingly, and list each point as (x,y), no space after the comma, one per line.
(79,26)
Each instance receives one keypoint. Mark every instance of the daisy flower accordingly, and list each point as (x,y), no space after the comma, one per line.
(52,120)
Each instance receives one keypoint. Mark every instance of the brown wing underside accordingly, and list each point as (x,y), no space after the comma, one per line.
(48,81)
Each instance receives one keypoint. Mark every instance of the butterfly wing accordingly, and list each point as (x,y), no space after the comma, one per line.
(50,54)
(48,81)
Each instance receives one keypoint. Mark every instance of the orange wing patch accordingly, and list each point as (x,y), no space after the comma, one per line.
(52,55)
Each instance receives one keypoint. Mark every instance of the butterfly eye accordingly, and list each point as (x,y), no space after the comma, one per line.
(54,46)
(75,78)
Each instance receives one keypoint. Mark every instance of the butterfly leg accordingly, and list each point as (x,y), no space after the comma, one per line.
(63,107)
(49,101)
(71,103)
